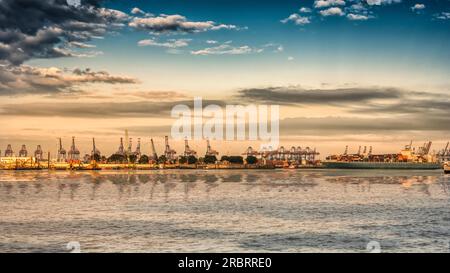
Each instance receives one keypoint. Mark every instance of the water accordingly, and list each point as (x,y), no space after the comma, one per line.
(225,211)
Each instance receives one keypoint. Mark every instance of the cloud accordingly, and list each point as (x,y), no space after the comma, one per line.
(355,100)
(418,7)
(137,109)
(427,105)
(358,7)
(211,42)
(45,29)
(299,96)
(443,16)
(136,10)
(154,95)
(296,19)
(81,45)
(227,49)
(382,2)
(332,12)
(175,24)
(277,48)
(357,17)
(290,58)
(328,3)
(352,125)
(305,10)
(24,79)
(171,43)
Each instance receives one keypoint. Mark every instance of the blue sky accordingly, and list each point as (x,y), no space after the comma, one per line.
(413,43)
(340,68)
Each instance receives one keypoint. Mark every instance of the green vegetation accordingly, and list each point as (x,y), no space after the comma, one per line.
(96,157)
(144,159)
(162,159)
(225,158)
(182,160)
(117,158)
(251,159)
(187,160)
(210,159)
(192,159)
(233,159)
(132,158)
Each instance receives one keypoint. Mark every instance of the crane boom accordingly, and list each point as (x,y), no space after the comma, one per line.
(446,149)
(155,156)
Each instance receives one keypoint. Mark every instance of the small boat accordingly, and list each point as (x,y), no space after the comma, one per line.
(447,167)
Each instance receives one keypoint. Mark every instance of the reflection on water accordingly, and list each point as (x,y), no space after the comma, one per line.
(128,182)
(225,210)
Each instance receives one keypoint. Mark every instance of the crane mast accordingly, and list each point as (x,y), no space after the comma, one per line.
(155,156)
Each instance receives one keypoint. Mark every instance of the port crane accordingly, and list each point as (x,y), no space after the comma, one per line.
(444,153)
(137,153)
(168,152)
(61,152)
(9,151)
(23,151)
(154,154)
(95,151)
(251,152)
(74,153)
(130,144)
(39,154)
(121,150)
(209,150)
(187,150)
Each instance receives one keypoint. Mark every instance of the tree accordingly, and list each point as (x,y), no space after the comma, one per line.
(236,159)
(192,159)
(251,159)
(132,158)
(225,158)
(210,159)
(117,158)
(182,160)
(162,159)
(96,157)
(144,159)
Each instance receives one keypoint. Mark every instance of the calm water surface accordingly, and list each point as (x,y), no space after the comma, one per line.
(225,211)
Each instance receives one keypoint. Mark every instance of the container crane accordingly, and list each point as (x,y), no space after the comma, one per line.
(209,150)
(154,154)
(62,154)
(23,151)
(39,154)
(168,152)
(187,150)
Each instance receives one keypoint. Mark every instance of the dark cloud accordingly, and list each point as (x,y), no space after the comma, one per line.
(332,125)
(99,110)
(24,79)
(44,29)
(430,105)
(301,96)
(368,100)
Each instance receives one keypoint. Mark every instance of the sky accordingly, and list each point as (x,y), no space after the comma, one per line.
(345,72)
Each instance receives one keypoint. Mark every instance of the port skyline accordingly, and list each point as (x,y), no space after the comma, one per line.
(201,147)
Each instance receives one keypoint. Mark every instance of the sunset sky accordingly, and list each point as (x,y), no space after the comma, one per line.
(345,72)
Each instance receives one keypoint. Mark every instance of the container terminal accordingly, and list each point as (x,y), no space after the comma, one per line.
(408,158)
(127,157)
(287,158)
